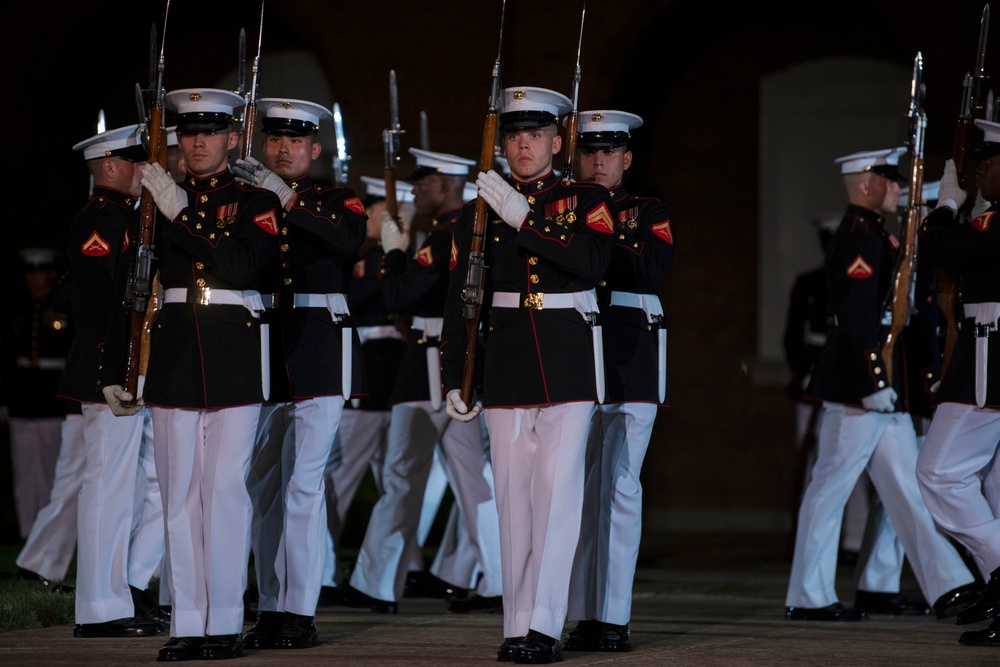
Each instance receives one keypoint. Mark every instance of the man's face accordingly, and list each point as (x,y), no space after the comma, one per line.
(529,152)
(604,166)
(890,199)
(206,153)
(988,177)
(290,157)
(428,194)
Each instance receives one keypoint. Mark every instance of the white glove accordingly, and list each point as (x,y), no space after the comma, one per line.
(253,172)
(170,198)
(950,193)
(509,204)
(393,238)
(115,395)
(457,409)
(883,400)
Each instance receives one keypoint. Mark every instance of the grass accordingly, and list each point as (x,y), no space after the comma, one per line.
(26,604)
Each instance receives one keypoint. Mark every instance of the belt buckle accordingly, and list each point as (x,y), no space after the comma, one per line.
(534,300)
(204,295)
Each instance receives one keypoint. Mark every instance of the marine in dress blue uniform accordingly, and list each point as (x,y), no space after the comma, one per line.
(417,286)
(316,366)
(956,467)
(547,245)
(866,423)
(208,374)
(364,425)
(635,364)
(101,249)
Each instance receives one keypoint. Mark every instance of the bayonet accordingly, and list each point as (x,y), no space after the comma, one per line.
(573,121)
(101,126)
(250,107)
(425,132)
(341,159)
(390,141)
(241,67)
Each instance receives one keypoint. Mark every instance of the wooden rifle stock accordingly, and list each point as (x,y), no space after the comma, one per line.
(904,275)
(249,123)
(472,294)
(572,125)
(141,280)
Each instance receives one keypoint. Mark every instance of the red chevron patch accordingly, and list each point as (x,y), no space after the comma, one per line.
(601,220)
(355,205)
(95,246)
(268,222)
(662,229)
(453,261)
(982,223)
(859,268)
(424,256)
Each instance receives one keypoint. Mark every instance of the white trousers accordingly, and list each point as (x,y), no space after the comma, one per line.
(852,440)
(604,566)
(358,446)
(390,540)
(538,464)
(34,451)
(105,513)
(960,482)
(52,540)
(202,457)
(287,484)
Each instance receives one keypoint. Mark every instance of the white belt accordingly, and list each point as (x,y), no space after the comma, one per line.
(380,332)
(431,326)
(41,363)
(986,315)
(584,303)
(650,305)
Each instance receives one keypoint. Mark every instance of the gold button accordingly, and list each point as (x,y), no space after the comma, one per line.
(197,225)
(548,229)
(603,283)
(201,214)
(200,282)
(881,384)
(248,325)
(285,265)
(284,231)
(531,199)
(534,278)
(199,265)
(496,239)
(878,371)
(533,260)
(621,237)
(284,247)
(873,356)
(212,236)
(287,281)
(203,198)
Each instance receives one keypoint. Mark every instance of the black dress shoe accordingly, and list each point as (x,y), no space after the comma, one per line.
(264,631)
(895,604)
(986,606)
(986,637)
(490,604)
(505,652)
(298,632)
(957,600)
(425,585)
(180,648)
(833,612)
(146,607)
(598,636)
(120,627)
(352,597)
(221,647)
(537,649)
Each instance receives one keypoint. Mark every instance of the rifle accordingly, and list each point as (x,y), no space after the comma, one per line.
(390,142)
(250,108)
(101,127)
(574,117)
(472,291)
(139,288)
(341,158)
(974,105)
(900,300)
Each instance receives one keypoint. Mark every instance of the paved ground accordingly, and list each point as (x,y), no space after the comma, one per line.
(722,605)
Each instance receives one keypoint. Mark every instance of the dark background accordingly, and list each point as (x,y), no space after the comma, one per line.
(691,69)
